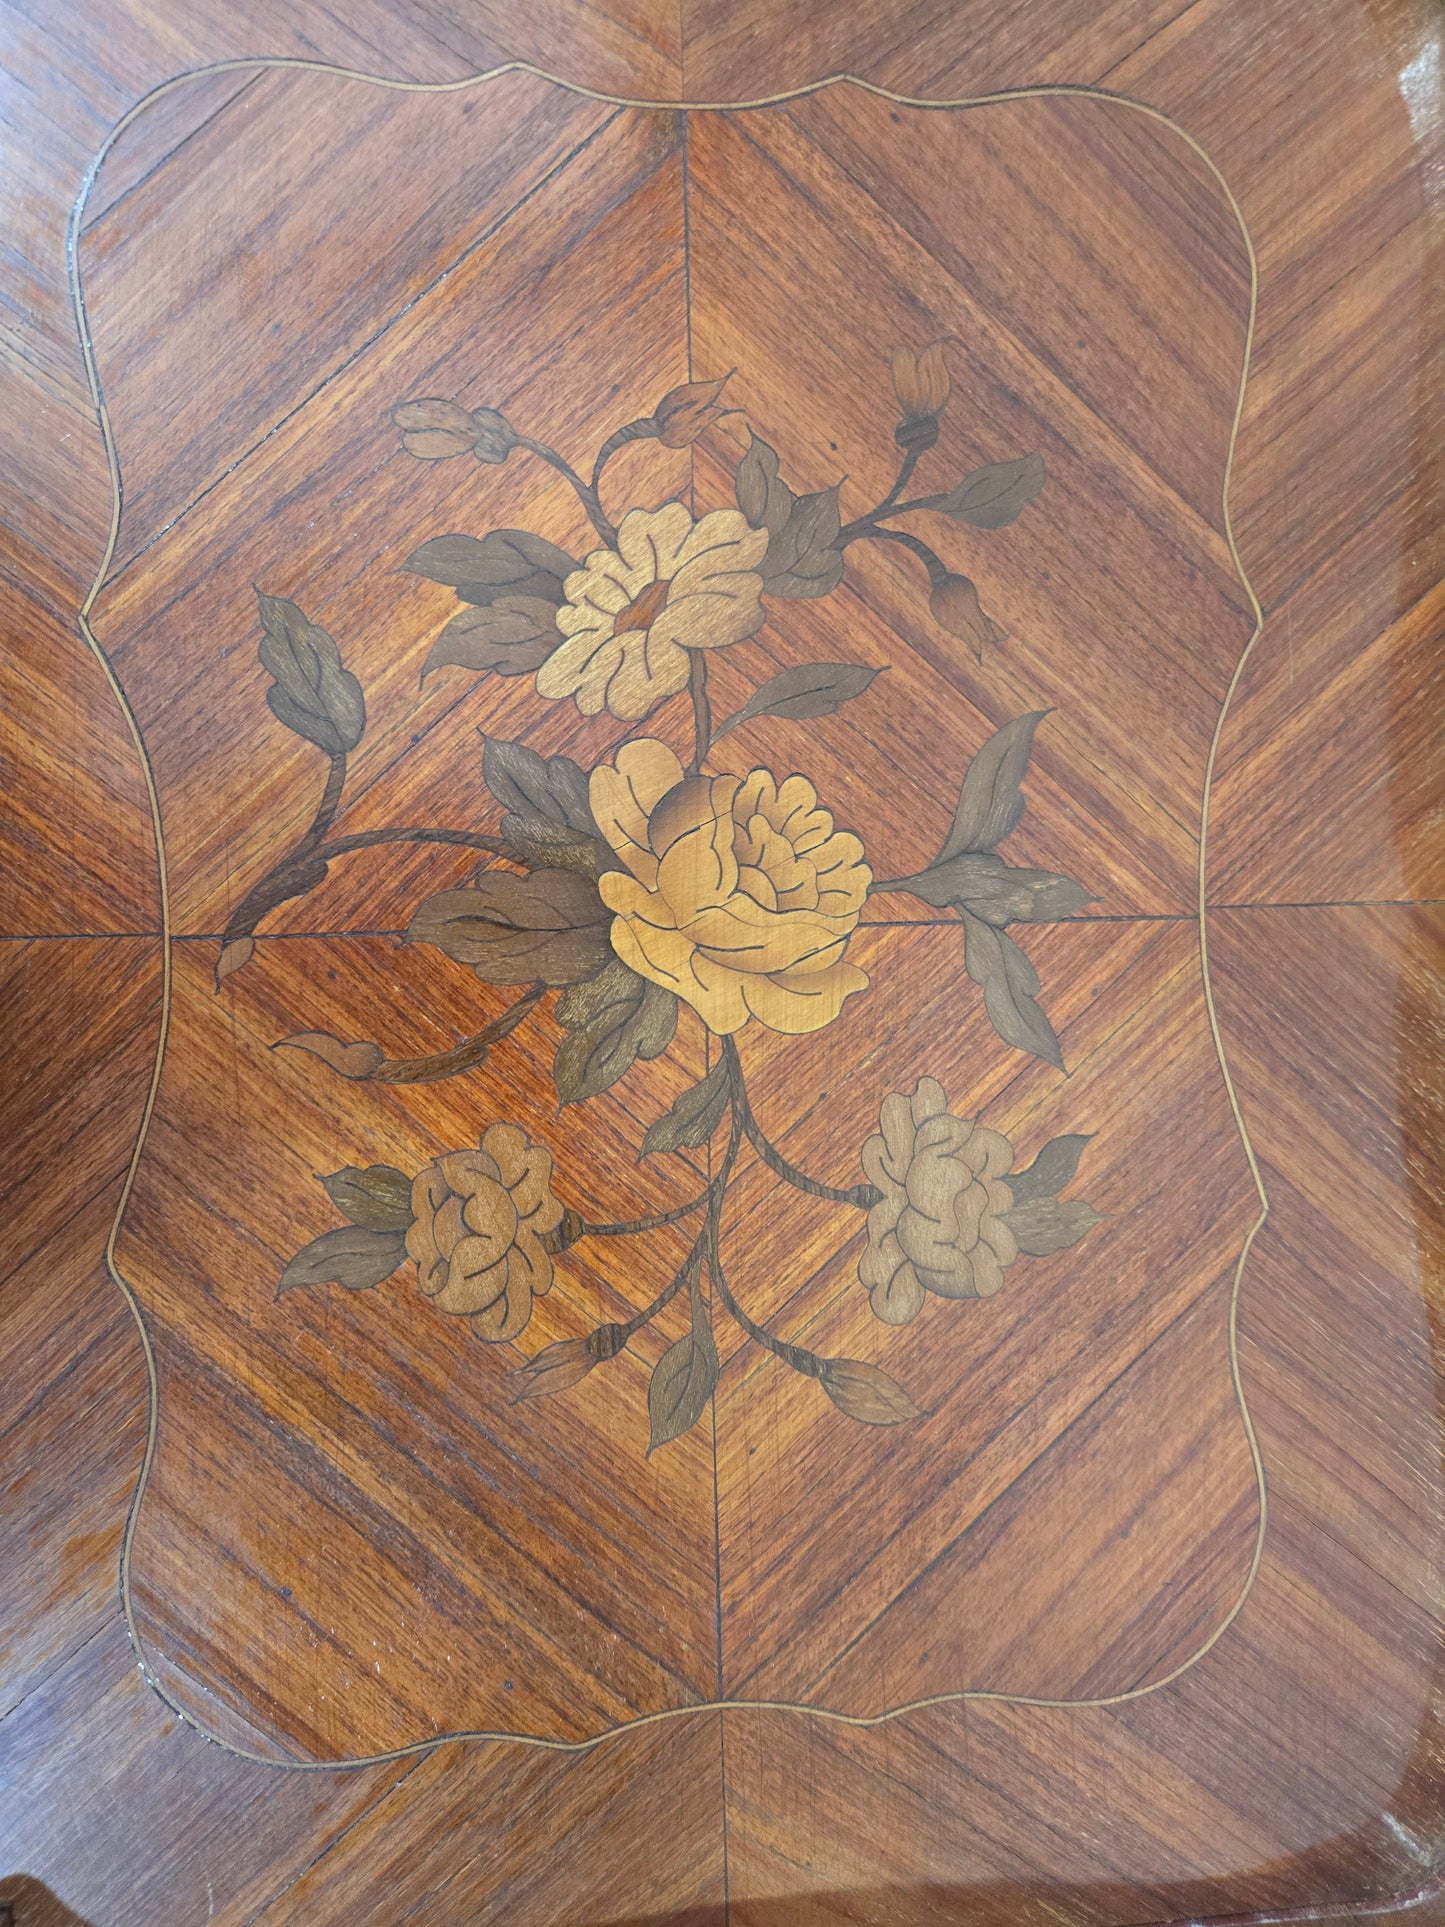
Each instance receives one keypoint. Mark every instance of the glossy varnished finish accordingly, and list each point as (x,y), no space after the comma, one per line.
(1082,1518)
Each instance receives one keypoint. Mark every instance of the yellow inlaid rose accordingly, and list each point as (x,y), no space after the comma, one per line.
(633,613)
(739,895)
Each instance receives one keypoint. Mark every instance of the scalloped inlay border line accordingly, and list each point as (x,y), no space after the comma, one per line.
(824,1713)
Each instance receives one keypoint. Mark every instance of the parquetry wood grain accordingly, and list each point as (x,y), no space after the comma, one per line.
(1264,1778)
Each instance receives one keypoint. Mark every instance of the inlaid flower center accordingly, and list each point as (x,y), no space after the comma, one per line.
(642,613)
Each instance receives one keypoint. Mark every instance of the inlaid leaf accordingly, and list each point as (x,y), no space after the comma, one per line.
(508,562)
(991,800)
(682,1382)
(613,1019)
(312,691)
(1042,1225)
(1050,1170)
(234,956)
(762,494)
(802,557)
(866,1393)
(547,928)
(1009,983)
(551,787)
(992,496)
(693,1118)
(509,637)
(809,689)
(377,1198)
(353,1257)
(991,889)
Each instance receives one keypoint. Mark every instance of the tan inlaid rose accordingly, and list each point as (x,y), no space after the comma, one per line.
(739,895)
(479,1221)
(940,1224)
(633,613)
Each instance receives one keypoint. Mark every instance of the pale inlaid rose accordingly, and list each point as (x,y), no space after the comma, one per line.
(738,895)
(633,613)
(940,1224)
(479,1220)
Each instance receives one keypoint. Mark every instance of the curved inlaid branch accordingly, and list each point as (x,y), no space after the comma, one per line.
(863,1196)
(365,1062)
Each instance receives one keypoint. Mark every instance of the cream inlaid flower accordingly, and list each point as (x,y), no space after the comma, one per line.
(941,1223)
(739,895)
(633,613)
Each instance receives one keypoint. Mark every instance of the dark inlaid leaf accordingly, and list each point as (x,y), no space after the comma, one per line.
(551,787)
(509,637)
(802,557)
(548,928)
(693,1118)
(508,562)
(352,1256)
(549,821)
(991,800)
(1043,1225)
(682,1383)
(1009,983)
(1050,1170)
(613,1019)
(312,692)
(809,689)
(866,1393)
(377,1198)
(762,494)
(992,496)
(985,884)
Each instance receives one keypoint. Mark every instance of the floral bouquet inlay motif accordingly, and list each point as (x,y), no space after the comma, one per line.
(648,891)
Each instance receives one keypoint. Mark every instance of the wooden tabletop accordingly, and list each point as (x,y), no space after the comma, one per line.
(721,939)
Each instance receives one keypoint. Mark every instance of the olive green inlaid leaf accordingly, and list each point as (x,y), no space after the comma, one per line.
(991,889)
(991,800)
(802,557)
(807,690)
(1043,1225)
(549,821)
(1009,983)
(377,1199)
(682,1382)
(312,692)
(547,928)
(551,787)
(508,562)
(992,496)
(762,494)
(693,1118)
(1050,1170)
(511,636)
(353,1257)
(613,1019)
(866,1393)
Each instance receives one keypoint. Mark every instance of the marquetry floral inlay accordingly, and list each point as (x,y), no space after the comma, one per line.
(650,890)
